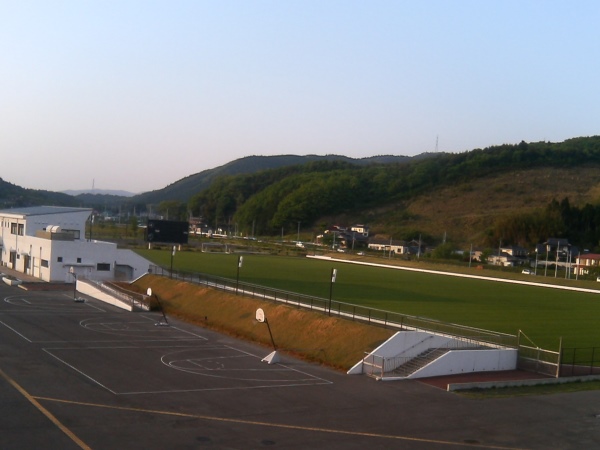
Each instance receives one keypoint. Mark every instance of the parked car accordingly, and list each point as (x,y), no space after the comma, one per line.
(528,272)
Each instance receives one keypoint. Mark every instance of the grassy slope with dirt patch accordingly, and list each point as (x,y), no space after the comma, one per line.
(466,210)
(310,335)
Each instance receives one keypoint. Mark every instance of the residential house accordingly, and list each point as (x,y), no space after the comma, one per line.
(361,230)
(586,262)
(503,259)
(554,245)
(386,245)
(515,250)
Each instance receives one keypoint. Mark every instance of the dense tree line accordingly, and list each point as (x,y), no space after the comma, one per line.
(271,199)
(580,225)
(12,195)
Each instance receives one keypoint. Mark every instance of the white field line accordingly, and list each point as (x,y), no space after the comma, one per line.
(460,275)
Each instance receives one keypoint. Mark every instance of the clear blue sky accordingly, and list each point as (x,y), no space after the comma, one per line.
(136,95)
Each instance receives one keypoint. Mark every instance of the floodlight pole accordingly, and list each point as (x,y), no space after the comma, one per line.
(172,255)
(72,270)
(237,280)
(333,275)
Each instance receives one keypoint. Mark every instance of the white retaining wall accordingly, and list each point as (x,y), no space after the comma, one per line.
(467,361)
(412,343)
(92,291)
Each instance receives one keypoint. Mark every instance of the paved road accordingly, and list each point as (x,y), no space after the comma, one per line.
(87,375)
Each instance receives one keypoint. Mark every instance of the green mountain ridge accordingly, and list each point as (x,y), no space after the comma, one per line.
(184,189)
(470,197)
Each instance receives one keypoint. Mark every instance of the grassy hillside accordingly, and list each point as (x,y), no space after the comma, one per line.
(543,314)
(461,194)
(466,210)
(327,340)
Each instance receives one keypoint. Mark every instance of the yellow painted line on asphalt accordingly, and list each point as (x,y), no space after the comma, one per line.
(44,411)
(282,426)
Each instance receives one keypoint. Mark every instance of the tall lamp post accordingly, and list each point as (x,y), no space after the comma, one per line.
(172,255)
(239,266)
(333,276)
(72,270)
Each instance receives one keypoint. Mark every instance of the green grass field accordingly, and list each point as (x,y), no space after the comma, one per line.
(543,314)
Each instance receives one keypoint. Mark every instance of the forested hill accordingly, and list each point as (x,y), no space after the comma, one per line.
(519,194)
(320,192)
(12,195)
(184,189)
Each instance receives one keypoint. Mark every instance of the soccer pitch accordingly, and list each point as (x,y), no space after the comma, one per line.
(543,314)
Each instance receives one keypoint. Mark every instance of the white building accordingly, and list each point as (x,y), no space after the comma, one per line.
(49,243)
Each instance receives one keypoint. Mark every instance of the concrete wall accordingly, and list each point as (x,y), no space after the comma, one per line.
(92,291)
(412,343)
(405,344)
(468,361)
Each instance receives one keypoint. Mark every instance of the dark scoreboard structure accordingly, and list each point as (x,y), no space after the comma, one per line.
(168,231)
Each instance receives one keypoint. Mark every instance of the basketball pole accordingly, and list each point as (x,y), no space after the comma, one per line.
(162,310)
(270,334)
(272,357)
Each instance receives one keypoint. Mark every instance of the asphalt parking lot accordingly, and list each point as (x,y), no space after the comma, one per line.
(88,375)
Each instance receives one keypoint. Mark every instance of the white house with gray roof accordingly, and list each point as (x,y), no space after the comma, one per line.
(49,243)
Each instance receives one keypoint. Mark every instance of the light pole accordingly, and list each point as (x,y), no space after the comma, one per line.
(546,266)
(172,255)
(72,270)
(333,276)
(237,280)
(470,255)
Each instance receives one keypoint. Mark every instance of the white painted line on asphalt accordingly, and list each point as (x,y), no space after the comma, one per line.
(79,371)
(15,331)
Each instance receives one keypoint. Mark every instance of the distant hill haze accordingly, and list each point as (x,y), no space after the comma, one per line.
(117,193)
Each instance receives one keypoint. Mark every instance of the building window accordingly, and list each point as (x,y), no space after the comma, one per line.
(103,267)
(17,228)
(78,260)
(59,259)
(45,263)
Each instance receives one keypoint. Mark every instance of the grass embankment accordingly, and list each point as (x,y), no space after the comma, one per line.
(543,314)
(310,335)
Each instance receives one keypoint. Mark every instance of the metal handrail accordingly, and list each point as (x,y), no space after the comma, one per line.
(387,319)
